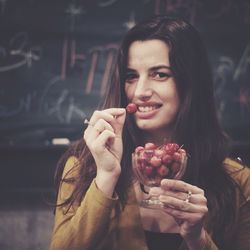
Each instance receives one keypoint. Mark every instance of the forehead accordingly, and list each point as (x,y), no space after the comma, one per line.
(148,53)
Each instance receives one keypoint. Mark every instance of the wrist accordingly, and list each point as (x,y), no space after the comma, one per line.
(198,243)
(106,182)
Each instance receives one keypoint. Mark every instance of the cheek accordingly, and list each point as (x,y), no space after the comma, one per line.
(129,91)
(171,96)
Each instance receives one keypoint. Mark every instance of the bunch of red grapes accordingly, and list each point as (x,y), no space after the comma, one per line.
(154,163)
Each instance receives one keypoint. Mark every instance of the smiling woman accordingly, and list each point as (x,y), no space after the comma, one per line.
(163,71)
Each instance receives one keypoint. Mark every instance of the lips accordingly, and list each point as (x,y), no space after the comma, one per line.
(147,110)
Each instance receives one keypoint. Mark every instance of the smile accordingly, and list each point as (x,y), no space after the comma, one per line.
(147,108)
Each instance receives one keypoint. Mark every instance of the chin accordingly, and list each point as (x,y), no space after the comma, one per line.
(151,126)
(145,125)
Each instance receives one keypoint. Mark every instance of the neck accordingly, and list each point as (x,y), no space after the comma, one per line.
(158,137)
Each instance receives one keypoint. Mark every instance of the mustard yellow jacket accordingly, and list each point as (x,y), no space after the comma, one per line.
(92,224)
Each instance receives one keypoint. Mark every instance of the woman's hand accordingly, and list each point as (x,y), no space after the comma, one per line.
(188,205)
(103,137)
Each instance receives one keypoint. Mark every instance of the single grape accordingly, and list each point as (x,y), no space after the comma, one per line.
(131,108)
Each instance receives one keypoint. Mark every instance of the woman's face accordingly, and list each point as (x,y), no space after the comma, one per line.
(150,85)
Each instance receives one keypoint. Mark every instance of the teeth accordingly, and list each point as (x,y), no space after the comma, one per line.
(146,108)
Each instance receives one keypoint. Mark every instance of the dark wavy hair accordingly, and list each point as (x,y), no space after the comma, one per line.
(196,124)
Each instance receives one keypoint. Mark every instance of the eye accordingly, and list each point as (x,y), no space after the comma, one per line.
(131,77)
(160,76)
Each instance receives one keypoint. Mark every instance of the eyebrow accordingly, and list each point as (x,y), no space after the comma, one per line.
(154,68)
(160,67)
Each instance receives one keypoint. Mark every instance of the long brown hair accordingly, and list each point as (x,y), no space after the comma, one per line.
(196,125)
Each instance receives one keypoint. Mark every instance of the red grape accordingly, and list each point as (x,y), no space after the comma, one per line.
(167,159)
(155,161)
(150,145)
(163,171)
(148,170)
(131,108)
(159,152)
(138,149)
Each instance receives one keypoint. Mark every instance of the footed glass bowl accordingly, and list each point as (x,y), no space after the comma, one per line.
(151,164)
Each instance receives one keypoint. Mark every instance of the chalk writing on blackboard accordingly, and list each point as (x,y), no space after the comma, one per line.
(24,106)
(63,107)
(131,22)
(69,53)
(20,52)
(191,8)
(228,72)
(244,63)
(105,3)
(69,50)
(62,114)
(73,12)
(244,101)
(2,6)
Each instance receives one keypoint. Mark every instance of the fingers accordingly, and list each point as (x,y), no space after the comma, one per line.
(109,119)
(183,205)
(99,127)
(103,134)
(180,196)
(100,144)
(182,216)
(114,116)
(177,185)
(92,133)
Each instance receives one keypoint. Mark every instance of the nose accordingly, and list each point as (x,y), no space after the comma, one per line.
(143,89)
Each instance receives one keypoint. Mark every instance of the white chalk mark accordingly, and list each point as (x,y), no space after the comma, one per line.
(243,63)
(131,22)
(2,6)
(73,12)
(106,3)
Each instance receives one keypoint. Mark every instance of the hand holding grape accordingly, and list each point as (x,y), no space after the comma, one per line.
(103,137)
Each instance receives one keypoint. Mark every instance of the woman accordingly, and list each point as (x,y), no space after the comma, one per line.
(162,68)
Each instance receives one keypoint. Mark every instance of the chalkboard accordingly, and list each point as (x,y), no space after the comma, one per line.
(56,57)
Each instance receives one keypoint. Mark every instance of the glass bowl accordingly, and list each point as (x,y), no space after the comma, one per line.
(152,164)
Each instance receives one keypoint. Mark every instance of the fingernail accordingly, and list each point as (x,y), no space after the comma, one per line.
(121,110)
(164,181)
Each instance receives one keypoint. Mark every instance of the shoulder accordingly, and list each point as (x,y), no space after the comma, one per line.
(241,175)
(68,179)
(71,168)
(239,172)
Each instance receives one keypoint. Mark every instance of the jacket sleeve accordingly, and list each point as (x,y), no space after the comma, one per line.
(85,225)
(242,177)
(243,242)
(244,227)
